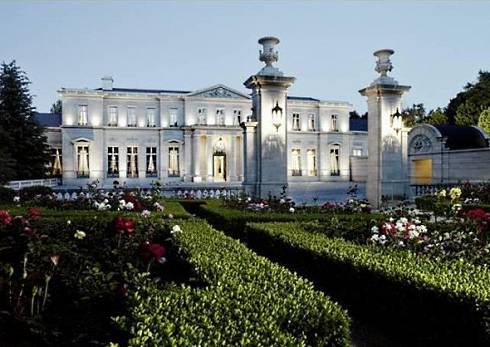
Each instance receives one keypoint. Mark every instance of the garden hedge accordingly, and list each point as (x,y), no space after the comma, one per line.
(243,299)
(432,302)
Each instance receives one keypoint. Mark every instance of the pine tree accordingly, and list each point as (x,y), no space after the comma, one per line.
(23,147)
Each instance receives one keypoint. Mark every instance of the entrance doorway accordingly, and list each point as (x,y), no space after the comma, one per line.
(219,167)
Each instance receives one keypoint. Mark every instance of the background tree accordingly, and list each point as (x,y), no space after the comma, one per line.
(484,120)
(466,106)
(56,107)
(355,115)
(436,117)
(413,115)
(22,142)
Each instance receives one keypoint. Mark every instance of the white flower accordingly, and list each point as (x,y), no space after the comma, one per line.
(282,201)
(68,222)
(392,219)
(249,199)
(382,239)
(375,229)
(79,234)
(421,229)
(400,226)
(129,206)
(158,207)
(403,220)
(16,198)
(413,233)
(291,209)
(456,207)
(145,214)
(387,226)
(400,243)
(170,216)
(375,238)
(176,229)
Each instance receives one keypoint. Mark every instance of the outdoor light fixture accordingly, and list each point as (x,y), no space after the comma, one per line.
(277,116)
(397,121)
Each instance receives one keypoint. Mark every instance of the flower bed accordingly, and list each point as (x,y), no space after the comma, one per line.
(244,300)
(426,299)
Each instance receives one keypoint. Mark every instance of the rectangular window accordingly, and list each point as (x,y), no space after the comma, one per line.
(357,152)
(202,116)
(311,162)
(173,118)
(334,161)
(173,161)
(334,126)
(151,161)
(112,121)
(132,162)
(296,162)
(237,117)
(150,117)
(82,161)
(220,117)
(296,124)
(131,117)
(82,115)
(112,161)
(56,160)
(311,122)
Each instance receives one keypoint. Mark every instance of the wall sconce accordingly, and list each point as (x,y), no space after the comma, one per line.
(277,116)
(397,121)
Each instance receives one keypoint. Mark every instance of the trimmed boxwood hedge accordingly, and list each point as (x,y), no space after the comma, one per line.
(436,302)
(245,300)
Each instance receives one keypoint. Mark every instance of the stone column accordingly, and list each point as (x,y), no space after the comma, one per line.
(233,158)
(386,175)
(209,157)
(249,157)
(196,157)
(187,156)
(269,99)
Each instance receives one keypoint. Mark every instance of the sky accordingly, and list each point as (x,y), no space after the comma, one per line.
(189,45)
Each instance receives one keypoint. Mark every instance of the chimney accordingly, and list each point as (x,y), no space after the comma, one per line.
(107,83)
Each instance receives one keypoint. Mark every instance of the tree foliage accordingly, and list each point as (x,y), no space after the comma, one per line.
(466,106)
(484,120)
(436,117)
(355,115)
(56,107)
(23,147)
(413,115)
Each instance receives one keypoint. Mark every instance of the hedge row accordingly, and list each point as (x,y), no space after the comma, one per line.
(244,300)
(433,301)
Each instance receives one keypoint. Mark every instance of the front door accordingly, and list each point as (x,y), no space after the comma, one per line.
(219,167)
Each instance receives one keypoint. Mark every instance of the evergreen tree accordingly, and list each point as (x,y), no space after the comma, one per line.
(56,107)
(22,142)
(484,120)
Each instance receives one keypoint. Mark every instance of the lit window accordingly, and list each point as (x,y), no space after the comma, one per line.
(201,116)
(56,160)
(112,116)
(296,125)
(82,115)
(296,162)
(112,161)
(173,117)
(131,117)
(311,122)
(82,160)
(357,152)
(150,117)
(311,162)
(237,117)
(151,161)
(220,117)
(334,126)
(173,160)
(132,160)
(334,161)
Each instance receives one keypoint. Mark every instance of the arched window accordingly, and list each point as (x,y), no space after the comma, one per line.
(173,159)
(334,160)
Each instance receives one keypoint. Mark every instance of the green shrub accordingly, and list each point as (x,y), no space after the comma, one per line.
(28,193)
(426,295)
(6,194)
(245,300)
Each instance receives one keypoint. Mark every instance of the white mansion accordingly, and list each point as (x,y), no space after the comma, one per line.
(259,142)
(137,136)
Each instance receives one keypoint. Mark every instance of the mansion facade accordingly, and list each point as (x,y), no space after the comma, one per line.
(138,136)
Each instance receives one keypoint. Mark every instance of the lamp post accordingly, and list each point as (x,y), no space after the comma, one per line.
(277,116)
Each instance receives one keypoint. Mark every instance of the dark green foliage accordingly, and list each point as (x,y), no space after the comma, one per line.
(413,115)
(355,115)
(246,301)
(6,195)
(29,193)
(22,141)
(427,297)
(56,107)
(436,117)
(466,106)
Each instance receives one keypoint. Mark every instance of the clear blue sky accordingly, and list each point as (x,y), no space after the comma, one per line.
(188,45)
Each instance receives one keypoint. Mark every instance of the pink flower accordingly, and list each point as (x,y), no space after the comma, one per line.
(34,213)
(123,225)
(152,250)
(5,217)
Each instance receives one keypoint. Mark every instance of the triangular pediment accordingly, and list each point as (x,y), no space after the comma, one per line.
(219,91)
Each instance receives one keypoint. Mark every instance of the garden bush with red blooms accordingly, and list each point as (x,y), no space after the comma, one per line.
(481,217)
(123,225)
(152,251)
(34,213)
(5,217)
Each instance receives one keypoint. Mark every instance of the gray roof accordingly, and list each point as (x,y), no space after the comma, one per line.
(156,91)
(462,137)
(358,124)
(48,119)
(303,98)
